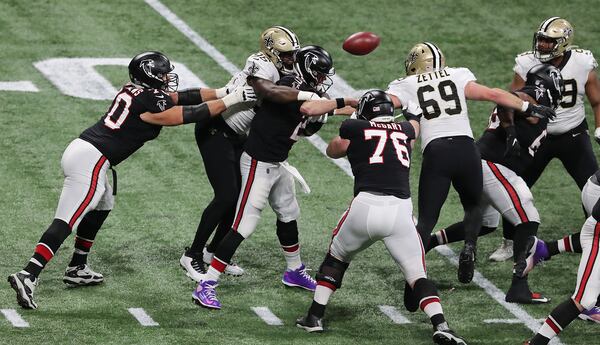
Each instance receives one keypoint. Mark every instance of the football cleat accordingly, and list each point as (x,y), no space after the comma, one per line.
(504,252)
(205,295)
(466,263)
(310,323)
(410,302)
(232,269)
(447,337)
(592,314)
(299,278)
(517,293)
(82,275)
(537,252)
(24,284)
(193,267)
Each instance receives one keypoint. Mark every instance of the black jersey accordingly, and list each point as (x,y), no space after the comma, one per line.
(379,153)
(492,143)
(121,132)
(276,126)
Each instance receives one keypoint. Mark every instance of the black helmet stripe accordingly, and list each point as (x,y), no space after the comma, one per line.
(547,23)
(437,57)
(291,35)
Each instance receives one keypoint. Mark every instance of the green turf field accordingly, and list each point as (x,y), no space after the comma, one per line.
(163,187)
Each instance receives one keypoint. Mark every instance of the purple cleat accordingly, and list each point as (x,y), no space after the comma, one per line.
(592,314)
(299,278)
(205,295)
(537,252)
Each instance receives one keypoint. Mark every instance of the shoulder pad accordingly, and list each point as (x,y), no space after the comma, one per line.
(530,52)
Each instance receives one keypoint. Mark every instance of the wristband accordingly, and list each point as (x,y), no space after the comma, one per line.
(524,106)
(222,92)
(340,103)
(189,97)
(410,116)
(306,95)
(196,113)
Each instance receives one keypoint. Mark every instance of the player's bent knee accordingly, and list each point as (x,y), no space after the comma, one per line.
(331,272)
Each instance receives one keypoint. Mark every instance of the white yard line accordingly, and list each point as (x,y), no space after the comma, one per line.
(267,316)
(24,85)
(210,50)
(14,318)
(394,314)
(143,318)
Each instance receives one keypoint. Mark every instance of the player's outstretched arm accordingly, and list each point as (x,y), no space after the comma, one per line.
(279,93)
(197,95)
(337,147)
(478,92)
(592,91)
(178,115)
(324,106)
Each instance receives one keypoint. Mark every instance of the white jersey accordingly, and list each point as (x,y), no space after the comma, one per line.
(239,116)
(441,96)
(575,69)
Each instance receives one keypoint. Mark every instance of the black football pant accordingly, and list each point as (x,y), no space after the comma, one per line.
(221,150)
(573,149)
(456,161)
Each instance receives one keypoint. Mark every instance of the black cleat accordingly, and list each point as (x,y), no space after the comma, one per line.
(410,301)
(519,292)
(447,337)
(310,323)
(466,263)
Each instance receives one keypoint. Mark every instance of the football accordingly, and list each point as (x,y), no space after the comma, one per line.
(361,43)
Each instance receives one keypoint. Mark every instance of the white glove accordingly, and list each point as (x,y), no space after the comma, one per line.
(597,135)
(354,116)
(240,94)
(221,92)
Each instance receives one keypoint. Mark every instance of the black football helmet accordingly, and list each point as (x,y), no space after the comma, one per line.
(315,66)
(375,103)
(152,70)
(547,80)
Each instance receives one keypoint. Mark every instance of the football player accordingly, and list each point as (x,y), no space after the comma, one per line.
(267,177)
(379,153)
(137,114)
(508,147)
(574,243)
(568,138)
(449,152)
(221,142)
(587,289)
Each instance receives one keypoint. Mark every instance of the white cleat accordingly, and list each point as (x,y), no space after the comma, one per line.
(82,275)
(504,252)
(193,268)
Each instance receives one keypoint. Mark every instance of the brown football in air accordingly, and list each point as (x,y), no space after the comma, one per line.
(361,43)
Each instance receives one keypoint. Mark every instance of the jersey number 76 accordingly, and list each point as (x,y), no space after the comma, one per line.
(397,138)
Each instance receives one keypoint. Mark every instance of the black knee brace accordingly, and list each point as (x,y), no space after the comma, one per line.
(332,271)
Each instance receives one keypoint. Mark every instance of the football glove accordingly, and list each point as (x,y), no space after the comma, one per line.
(238,95)
(540,111)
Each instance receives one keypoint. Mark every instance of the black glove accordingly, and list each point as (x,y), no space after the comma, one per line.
(540,111)
(513,148)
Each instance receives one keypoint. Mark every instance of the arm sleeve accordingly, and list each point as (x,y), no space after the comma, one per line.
(520,68)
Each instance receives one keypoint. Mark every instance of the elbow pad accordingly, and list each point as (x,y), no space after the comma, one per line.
(196,113)
(189,97)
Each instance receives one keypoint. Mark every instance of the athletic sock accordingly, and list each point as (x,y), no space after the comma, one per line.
(558,319)
(287,233)
(47,247)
